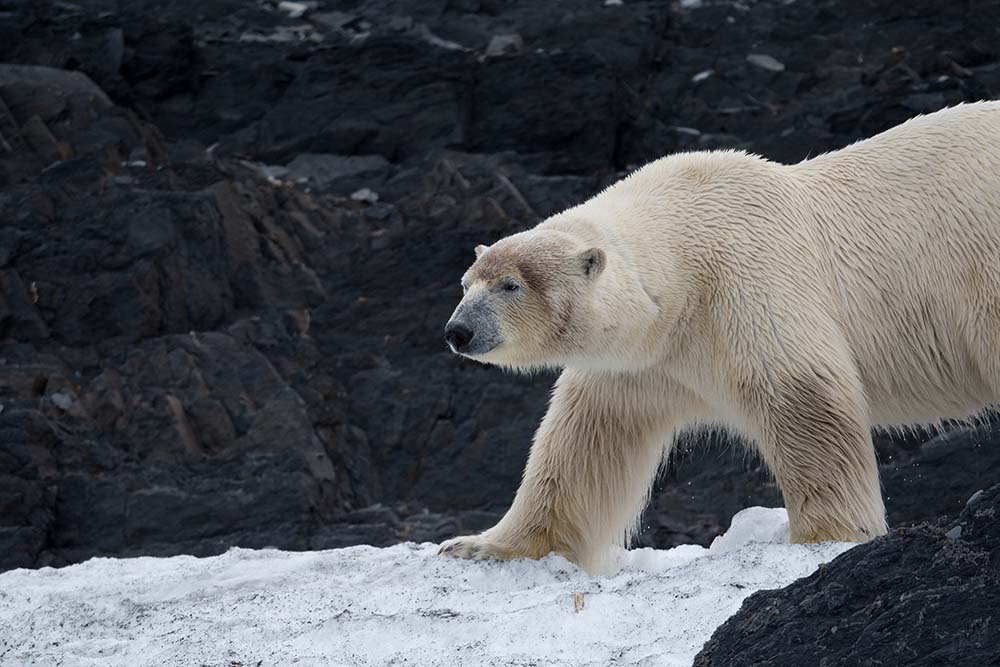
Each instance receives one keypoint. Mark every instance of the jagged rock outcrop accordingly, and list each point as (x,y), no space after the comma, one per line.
(926,595)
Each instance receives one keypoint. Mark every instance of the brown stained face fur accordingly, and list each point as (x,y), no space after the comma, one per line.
(534,323)
(506,262)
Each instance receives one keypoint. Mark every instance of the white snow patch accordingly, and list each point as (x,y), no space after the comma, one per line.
(398,606)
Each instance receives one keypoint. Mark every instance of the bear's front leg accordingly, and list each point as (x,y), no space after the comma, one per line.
(816,440)
(589,472)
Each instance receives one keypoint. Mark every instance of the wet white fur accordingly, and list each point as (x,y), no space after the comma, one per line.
(797,305)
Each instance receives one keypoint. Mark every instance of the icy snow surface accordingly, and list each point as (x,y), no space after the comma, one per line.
(398,606)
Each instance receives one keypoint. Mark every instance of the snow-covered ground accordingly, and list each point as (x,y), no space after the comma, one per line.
(398,606)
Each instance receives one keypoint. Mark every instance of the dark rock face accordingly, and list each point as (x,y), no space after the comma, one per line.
(926,595)
(230,238)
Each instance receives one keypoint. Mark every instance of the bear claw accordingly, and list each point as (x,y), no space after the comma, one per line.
(472,548)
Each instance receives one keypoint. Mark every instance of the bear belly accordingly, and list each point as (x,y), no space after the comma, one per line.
(918,373)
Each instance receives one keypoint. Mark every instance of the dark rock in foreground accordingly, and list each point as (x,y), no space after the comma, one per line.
(922,596)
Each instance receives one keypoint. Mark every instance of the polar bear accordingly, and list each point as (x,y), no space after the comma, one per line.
(798,305)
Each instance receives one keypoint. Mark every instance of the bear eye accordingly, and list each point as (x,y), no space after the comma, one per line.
(511,287)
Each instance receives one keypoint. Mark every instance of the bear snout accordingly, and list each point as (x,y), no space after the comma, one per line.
(458,335)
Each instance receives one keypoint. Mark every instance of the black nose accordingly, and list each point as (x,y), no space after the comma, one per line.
(458,335)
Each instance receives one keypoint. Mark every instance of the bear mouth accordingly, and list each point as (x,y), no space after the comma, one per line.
(475,348)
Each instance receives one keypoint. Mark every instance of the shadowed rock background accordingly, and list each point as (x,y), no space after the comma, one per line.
(231,233)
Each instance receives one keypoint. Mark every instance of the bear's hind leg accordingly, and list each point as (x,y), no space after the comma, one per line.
(589,472)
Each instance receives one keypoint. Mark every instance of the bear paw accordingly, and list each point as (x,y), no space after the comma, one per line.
(477,547)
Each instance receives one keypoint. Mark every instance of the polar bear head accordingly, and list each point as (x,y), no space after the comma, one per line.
(526,301)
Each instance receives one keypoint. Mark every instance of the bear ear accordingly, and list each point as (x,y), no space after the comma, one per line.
(480,249)
(592,261)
